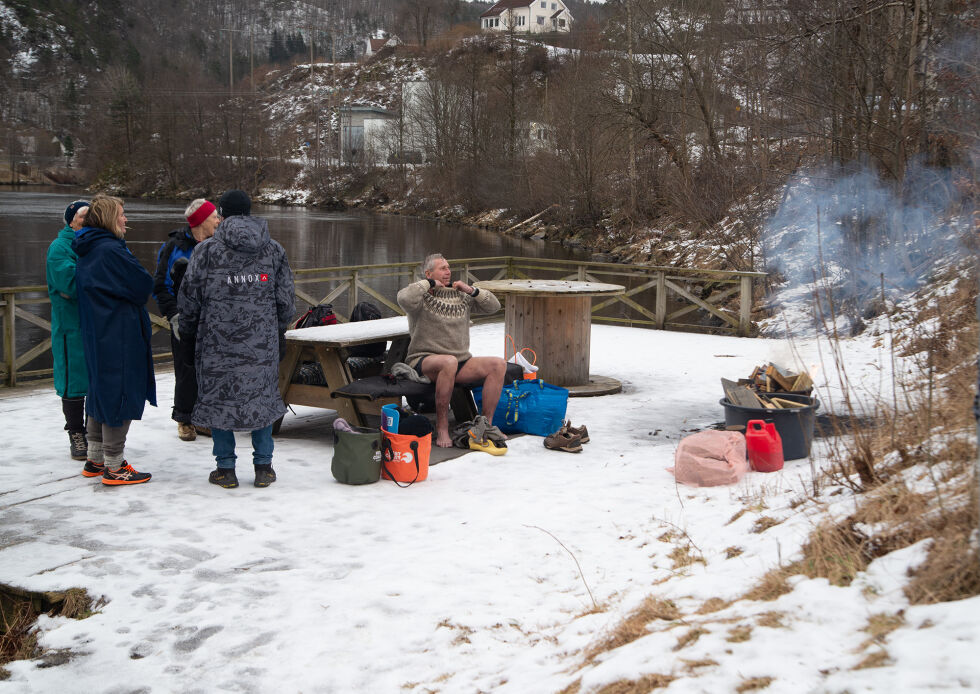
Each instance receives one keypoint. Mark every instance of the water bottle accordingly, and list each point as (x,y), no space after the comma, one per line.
(764,446)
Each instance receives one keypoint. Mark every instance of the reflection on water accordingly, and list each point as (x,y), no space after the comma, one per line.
(30,219)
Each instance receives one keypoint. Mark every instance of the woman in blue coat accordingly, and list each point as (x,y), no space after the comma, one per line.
(70,374)
(112,292)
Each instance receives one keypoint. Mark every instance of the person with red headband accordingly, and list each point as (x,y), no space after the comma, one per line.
(202,219)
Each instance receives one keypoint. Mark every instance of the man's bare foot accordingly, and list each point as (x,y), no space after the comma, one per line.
(443,440)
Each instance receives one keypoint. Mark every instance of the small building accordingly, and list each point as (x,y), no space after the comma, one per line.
(531,16)
(374,44)
(360,127)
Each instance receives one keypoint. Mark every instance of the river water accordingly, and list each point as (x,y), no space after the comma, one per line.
(30,218)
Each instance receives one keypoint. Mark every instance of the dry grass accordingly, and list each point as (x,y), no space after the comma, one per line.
(731,552)
(19,613)
(738,514)
(18,641)
(951,570)
(772,619)
(753,683)
(647,683)
(763,523)
(879,627)
(772,585)
(876,659)
(682,556)
(713,605)
(691,666)
(743,632)
(689,637)
(635,625)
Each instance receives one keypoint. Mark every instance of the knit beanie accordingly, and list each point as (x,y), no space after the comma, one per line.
(234,202)
(73,209)
(200,214)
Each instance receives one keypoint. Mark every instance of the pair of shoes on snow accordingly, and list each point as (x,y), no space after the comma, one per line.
(568,438)
(226,477)
(126,474)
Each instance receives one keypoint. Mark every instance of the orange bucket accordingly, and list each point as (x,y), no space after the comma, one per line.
(405,458)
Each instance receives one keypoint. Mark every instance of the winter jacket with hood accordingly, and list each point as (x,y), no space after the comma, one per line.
(180,245)
(236,298)
(70,374)
(113,289)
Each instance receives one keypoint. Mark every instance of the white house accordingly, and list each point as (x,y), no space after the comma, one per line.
(374,44)
(532,16)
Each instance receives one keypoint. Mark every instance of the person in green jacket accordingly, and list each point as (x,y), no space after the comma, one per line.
(70,372)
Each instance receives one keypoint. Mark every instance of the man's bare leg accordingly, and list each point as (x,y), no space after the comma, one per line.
(441,370)
(491,371)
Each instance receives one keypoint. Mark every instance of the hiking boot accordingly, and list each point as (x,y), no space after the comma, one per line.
(93,469)
(562,440)
(203,431)
(186,432)
(224,477)
(582,432)
(127,474)
(79,446)
(264,475)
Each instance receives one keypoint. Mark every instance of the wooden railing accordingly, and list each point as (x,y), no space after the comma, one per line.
(656,297)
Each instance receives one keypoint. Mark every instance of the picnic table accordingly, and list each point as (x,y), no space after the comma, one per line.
(327,345)
(554,318)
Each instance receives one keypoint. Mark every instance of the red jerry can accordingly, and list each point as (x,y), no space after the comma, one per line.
(764,446)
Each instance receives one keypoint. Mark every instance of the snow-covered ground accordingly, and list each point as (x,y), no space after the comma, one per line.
(495,574)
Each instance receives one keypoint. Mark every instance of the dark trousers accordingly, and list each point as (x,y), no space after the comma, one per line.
(185,379)
(74,410)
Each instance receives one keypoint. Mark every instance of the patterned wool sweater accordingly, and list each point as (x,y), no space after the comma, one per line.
(439,321)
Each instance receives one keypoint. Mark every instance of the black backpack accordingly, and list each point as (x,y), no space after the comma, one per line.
(322,314)
(374,350)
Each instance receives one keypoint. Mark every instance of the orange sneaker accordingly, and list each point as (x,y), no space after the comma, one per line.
(93,469)
(127,474)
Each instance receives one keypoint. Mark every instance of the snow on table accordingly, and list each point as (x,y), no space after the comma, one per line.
(354,332)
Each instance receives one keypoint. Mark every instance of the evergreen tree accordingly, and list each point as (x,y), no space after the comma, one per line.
(277,50)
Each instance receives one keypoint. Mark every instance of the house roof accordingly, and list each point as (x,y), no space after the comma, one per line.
(504,5)
(377,44)
(558,13)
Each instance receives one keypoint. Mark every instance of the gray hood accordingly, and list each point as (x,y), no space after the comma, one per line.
(244,234)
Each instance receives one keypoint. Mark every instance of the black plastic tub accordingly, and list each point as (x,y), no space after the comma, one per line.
(795,425)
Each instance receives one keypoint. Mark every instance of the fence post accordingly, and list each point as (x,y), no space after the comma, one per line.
(660,308)
(353,292)
(10,339)
(745,307)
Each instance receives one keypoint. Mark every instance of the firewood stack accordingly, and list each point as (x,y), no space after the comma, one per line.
(763,387)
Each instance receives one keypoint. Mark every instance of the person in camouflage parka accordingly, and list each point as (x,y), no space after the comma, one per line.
(236,300)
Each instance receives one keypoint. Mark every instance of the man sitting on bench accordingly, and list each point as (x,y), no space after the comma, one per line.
(439,348)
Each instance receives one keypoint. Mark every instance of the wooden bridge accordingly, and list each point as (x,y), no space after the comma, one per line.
(664,298)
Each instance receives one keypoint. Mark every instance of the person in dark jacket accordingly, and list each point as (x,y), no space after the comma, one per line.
(70,375)
(236,300)
(112,292)
(202,220)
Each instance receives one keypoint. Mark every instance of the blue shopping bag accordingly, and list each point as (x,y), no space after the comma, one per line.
(529,407)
